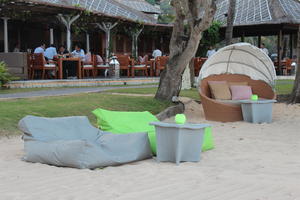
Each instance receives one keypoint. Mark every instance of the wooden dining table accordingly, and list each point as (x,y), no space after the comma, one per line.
(74,59)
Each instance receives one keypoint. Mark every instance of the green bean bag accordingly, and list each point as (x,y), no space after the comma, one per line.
(134,122)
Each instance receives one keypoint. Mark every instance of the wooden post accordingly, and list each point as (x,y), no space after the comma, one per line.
(5,19)
(51,36)
(243,37)
(135,36)
(106,27)
(279,49)
(67,20)
(259,41)
(19,36)
(87,42)
(291,45)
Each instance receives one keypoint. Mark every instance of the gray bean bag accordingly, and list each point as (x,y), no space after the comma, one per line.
(74,142)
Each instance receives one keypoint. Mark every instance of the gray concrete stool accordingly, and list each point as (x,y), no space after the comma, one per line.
(259,111)
(176,142)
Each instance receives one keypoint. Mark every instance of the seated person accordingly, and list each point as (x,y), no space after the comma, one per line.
(62,51)
(17,48)
(87,58)
(78,52)
(156,53)
(50,52)
(40,49)
(99,60)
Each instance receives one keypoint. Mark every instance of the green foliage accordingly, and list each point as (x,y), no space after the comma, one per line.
(82,23)
(166,7)
(168,14)
(5,76)
(210,38)
(12,12)
(151,1)
(166,18)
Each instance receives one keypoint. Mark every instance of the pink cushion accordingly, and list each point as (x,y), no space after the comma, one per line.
(99,59)
(143,60)
(87,58)
(240,92)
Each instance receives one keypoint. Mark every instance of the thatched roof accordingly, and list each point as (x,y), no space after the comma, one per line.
(107,7)
(255,12)
(141,5)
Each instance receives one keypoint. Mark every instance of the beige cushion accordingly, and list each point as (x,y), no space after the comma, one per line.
(237,83)
(50,65)
(86,66)
(102,65)
(139,66)
(220,91)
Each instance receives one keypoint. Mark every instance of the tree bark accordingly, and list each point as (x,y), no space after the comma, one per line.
(295,96)
(183,48)
(230,21)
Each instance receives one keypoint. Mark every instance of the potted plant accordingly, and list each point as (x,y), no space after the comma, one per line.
(5,76)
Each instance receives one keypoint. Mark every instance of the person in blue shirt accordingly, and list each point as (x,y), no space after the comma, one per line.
(40,49)
(50,52)
(78,52)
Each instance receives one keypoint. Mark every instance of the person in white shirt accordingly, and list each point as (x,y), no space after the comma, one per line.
(211,51)
(50,52)
(264,49)
(40,49)
(17,48)
(156,53)
(78,52)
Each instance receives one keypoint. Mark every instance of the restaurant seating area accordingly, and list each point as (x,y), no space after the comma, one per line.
(39,68)
(286,67)
(145,66)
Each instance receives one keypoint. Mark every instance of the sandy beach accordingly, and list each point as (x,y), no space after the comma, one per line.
(250,161)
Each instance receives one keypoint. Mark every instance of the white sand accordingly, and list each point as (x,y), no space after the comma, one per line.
(255,162)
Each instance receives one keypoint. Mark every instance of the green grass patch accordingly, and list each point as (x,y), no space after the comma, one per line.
(284,86)
(19,90)
(76,105)
(192,93)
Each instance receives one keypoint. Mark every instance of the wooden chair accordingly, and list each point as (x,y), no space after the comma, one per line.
(39,64)
(160,64)
(98,65)
(198,63)
(125,63)
(29,65)
(88,66)
(287,70)
(142,65)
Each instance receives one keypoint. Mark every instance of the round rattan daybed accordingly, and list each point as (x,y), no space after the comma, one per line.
(239,62)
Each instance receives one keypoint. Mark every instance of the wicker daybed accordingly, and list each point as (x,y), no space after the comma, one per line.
(240,62)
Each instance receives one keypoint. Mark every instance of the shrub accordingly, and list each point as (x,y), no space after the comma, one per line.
(5,76)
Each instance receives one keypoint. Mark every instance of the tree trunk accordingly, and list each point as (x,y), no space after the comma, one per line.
(295,96)
(183,48)
(230,21)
